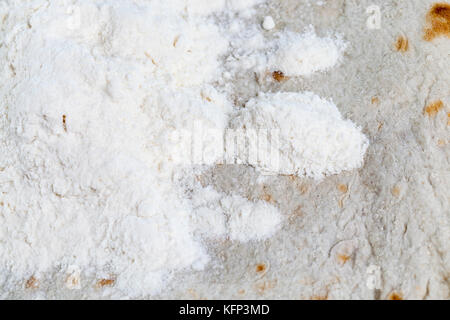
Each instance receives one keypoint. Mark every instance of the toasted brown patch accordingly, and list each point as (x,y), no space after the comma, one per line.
(32,283)
(266,196)
(448,118)
(242,291)
(64,122)
(150,57)
(395,296)
(260,268)
(324,297)
(342,188)
(343,258)
(402,44)
(375,100)
(433,108)
(278,76)
(297,211)
(303,188)
(105,283)
(438,20)
(395,191)
(175,41)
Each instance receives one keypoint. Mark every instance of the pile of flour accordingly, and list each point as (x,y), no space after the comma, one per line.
(99,104)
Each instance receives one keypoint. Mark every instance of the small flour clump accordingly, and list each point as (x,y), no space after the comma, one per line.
(98,102)
(217,215)
(314,139)
(290,53)
(303,54)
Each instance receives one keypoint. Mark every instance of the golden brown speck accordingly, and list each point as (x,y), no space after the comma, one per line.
(303,188)
(375,100)
(32,283)
(438,20)
(105,283)
(260,268)
(402,44)
(278,76)
(433,108)
(64,122)
(343,258)
(266,196)
(342,188)
(395,296)
(395,191)
(149,56)
(175,41)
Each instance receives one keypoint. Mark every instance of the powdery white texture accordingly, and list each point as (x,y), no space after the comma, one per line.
(294,54)
(313,138)
(303,54)
(217,215)
(92,192)
(268,23)
(250,220)
(91,93)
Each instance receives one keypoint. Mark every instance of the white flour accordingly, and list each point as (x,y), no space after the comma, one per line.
(92,93)
(313,138)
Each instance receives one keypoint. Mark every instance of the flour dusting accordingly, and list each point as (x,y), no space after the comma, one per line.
(94,96)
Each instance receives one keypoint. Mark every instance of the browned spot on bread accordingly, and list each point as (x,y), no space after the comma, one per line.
(343,258)
(395,191)
(266,196)
(342,188)
(375,100)
(298,211)
(150,57)
(324,297)
(64,122)
(278,76)
(438,21)
(260,268)
(32,283)
(395,296)
(448,118)
(105,283)
(433,108)
(175,41)
(402,44)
